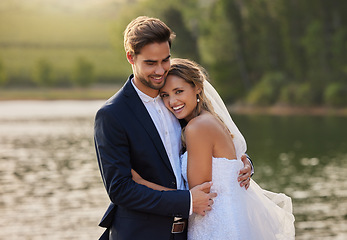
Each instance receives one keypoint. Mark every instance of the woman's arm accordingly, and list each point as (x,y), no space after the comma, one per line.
(137,178)
(199,142)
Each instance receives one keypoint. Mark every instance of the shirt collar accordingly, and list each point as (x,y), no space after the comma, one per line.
(144,97)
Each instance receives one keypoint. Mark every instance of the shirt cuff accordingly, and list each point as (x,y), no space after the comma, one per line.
(249,160)
(191,204)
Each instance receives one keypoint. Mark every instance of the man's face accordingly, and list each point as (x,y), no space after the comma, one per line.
(150,67)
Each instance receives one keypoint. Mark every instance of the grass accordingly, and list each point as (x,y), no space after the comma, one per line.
(104,60)
(27,36)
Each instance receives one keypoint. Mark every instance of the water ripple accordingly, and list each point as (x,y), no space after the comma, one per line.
(50,186)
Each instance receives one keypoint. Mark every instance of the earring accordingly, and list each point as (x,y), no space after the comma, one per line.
(198,100)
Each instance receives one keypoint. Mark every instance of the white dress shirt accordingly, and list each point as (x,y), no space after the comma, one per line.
(169,130)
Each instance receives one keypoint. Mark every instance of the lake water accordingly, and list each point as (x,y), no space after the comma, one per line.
(50,186)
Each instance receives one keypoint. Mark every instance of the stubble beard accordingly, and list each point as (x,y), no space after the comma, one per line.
(148,83)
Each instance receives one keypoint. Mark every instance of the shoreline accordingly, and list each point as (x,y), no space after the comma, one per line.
(282,110)
(104,92)
(98,92)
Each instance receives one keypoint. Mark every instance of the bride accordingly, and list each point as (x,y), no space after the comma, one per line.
(214,147)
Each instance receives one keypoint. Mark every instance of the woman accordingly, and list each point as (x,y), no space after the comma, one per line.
(214,147)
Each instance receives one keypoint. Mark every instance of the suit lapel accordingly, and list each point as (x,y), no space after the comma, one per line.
(137,107)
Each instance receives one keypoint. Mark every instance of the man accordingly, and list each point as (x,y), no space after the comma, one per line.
(134,130)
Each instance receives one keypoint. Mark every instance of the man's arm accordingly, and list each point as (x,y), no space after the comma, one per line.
(200,202)
(137,178)
(246,172)
(250,161)
(113,155)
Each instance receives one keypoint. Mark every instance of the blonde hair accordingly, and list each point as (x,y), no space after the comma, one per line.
(145,30)
(195,75)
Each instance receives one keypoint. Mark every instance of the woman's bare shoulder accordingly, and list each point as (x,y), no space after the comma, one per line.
(204,123)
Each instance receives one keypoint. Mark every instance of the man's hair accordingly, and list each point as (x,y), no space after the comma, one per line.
(145,30)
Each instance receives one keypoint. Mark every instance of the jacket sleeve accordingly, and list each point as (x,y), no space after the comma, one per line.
(113,154)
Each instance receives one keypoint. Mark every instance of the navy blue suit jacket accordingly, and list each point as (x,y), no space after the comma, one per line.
(125,138)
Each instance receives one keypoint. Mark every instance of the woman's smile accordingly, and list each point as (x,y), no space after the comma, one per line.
(178,108)
(179,97)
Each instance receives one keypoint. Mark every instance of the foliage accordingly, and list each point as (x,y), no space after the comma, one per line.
(220,56)
(185,44)
(336,94)
(245,45)
(83,74)
(306,95)
(3,77)
(267,91)
(287,94)
(314,48)
(43,73)
(26,36)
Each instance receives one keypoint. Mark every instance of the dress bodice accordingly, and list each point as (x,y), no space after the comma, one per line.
(224,173)
(238,213)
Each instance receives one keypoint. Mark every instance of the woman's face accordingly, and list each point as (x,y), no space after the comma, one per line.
(179,97)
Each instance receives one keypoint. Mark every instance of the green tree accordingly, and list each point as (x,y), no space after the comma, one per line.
(243,42)
(185,45)
(43,73)
(3,76)
(291,27)
(83,74)
(268,90)
(218,51)
(339,49)
(336,95)
(233,10)
(313,43)
(173,14)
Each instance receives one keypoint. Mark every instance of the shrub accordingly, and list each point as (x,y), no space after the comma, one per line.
(266,92)
(336,95)
(83,74)
(287,94)
(43,73)
(3,77)
(307,95)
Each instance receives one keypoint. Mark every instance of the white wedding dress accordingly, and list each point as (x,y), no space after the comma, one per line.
(240,214)
(237,213)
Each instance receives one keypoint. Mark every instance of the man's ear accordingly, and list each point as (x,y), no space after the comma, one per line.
(130,58)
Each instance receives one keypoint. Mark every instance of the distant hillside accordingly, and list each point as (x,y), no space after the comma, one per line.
(55,22)
(60,31)
(84,7)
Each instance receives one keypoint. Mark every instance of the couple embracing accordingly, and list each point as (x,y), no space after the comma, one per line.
(172,160)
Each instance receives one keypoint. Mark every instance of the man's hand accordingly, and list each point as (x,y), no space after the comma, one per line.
(202,198)
(245,173)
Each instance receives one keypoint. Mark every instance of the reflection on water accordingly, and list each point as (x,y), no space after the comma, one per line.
(50,186)
(305,157)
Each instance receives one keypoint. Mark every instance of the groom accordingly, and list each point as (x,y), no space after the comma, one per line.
(134,130)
